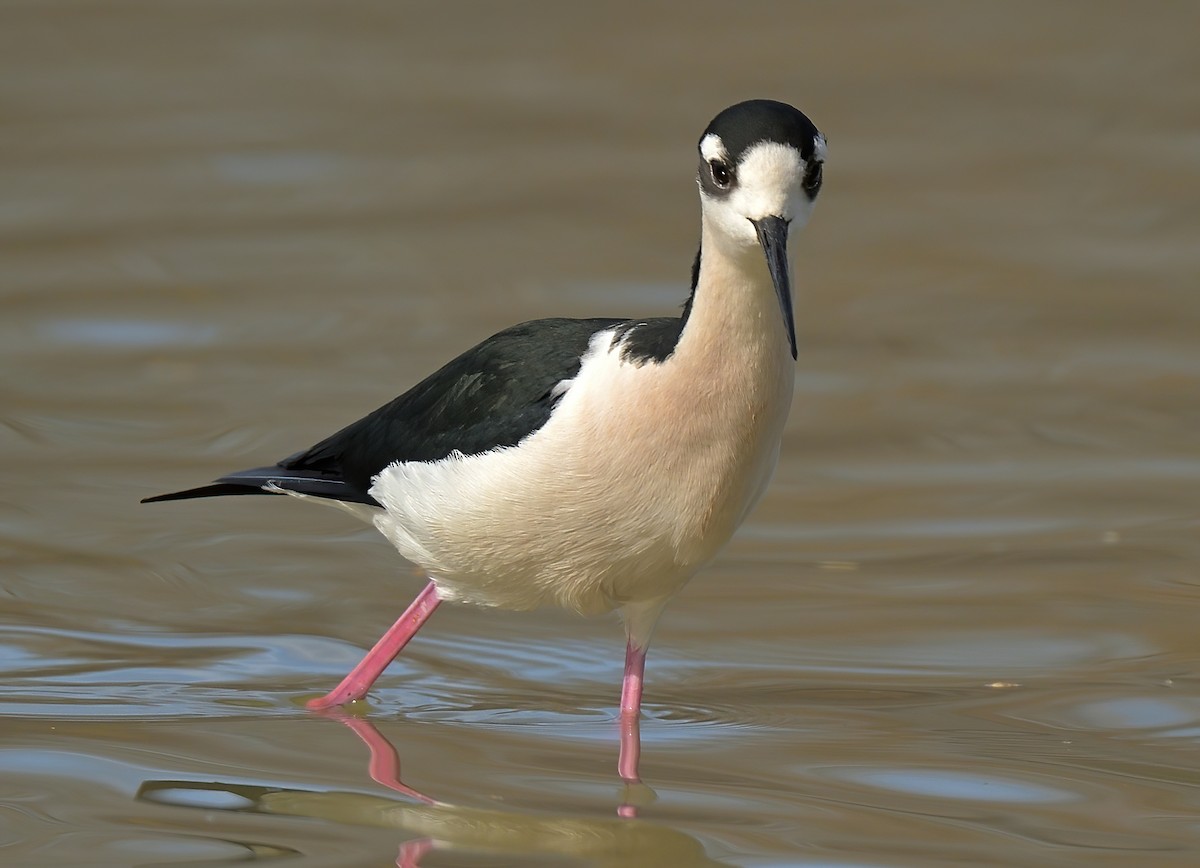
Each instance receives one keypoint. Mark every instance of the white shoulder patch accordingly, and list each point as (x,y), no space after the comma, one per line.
(560,388)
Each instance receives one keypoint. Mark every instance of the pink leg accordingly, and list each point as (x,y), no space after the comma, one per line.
(358,682)
(631,711)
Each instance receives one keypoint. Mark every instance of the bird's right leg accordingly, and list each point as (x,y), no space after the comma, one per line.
(358,682)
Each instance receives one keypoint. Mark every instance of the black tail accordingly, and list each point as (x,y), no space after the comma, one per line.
(254,481)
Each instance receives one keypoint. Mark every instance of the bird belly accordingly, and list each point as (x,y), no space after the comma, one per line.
(504,529)
(621,497)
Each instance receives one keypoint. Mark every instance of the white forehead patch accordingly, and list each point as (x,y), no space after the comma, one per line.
(770,166)
(819,150)
(712,148)
(769,177)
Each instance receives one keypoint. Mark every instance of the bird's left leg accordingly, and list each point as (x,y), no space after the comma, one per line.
(640,619)
(631,712)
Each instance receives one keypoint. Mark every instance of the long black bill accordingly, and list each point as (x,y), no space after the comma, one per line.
(773,235)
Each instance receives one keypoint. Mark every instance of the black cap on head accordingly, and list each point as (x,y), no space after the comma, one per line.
(763,120)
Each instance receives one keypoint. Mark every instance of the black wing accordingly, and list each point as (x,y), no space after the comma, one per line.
(494,394)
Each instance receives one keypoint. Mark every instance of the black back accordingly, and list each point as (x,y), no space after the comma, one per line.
(495,394)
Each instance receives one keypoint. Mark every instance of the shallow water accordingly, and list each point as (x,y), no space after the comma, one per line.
(961,627)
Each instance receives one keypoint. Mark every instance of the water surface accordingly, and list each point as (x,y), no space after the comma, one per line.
(960,629)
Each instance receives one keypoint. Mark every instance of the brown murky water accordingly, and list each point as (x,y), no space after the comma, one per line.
(964,625)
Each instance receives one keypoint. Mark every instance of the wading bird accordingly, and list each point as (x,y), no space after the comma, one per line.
(594,464)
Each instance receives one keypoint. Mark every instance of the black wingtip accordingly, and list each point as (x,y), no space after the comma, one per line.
(217,489)
(280,480)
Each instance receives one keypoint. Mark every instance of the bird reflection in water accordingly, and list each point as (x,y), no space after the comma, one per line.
(621,841)
(384,763)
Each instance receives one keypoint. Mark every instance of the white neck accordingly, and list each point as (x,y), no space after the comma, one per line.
(735,319)
(736,360)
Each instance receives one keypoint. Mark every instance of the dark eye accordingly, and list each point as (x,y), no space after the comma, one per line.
(812,178)
(721,174)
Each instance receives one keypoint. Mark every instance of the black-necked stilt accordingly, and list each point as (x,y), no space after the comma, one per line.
(597,463)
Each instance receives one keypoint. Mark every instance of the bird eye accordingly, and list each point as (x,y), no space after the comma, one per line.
(812,178)
(721,174)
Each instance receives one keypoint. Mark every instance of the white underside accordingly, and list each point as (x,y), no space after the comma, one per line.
(631,486)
